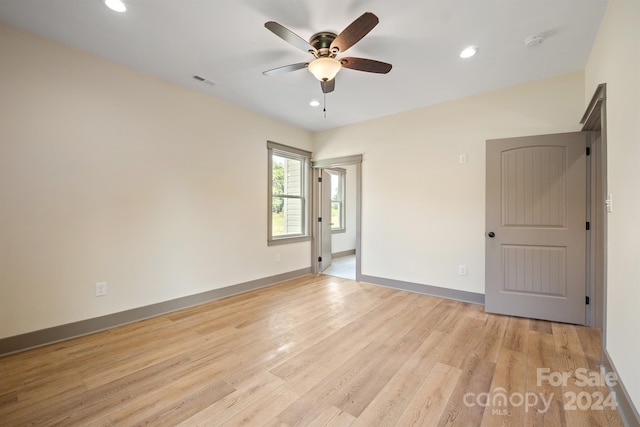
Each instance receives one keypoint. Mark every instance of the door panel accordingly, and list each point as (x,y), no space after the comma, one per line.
(533,187)
(535,269)
(536,207)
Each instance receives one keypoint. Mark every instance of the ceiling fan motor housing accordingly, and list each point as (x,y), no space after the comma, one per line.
(322,43)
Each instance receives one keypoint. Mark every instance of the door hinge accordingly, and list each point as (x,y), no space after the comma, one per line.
(588,226)
(319,179)
(319,219)
(319,259)
(588,151)
(588,301)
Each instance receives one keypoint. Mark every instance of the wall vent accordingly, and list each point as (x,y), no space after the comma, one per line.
(203,80)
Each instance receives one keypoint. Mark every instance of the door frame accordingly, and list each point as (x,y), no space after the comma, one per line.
(316,237)
(325,230)
(594,121)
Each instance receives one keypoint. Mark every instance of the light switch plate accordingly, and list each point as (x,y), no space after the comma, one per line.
(101,289)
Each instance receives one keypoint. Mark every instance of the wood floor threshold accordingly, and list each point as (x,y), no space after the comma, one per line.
(316,350)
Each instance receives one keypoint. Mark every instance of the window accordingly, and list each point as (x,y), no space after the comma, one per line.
(288,194)
(337,200)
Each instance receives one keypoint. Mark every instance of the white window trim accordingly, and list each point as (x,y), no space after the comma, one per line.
(305,156)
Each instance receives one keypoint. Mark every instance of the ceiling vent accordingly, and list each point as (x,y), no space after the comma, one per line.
(203,80)
(534,41)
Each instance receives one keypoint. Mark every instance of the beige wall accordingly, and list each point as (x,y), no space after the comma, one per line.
(615,60)
(108,174)
(423,212)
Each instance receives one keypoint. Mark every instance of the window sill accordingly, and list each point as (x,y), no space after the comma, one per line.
(287,240)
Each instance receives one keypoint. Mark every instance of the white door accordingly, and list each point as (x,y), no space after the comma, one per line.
(325,222)
(536,227)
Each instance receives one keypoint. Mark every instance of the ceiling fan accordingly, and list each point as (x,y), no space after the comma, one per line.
(325,46)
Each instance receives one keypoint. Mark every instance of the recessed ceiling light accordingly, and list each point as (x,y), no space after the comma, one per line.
(469,52)
(115,5)
(315,103)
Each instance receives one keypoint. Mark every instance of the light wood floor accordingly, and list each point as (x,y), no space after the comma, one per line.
(314,351)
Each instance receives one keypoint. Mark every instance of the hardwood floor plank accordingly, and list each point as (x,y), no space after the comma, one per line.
(134,360)
(101,422)
(509,378)
(568,349)
(463,340)
(316,350)
(515,337)
(234,403)
(31,402)
(8,398)
(282,348)
(332,416)
(541,326)
(541,355)
(431,398)
(475,378)
(367,384)
(177,406)
(193,384)
(444,316)
(345,342)
(571,357)
(87,405)
(401,340)
(488,345)
(264,409)
(321,396)
(390,403)
(590,342)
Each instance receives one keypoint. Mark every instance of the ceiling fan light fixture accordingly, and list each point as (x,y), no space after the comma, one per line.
(468,52)
(324,69)
(116,5)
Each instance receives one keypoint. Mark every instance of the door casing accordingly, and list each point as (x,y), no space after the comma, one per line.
(594,121)
(316,236)
(324,227)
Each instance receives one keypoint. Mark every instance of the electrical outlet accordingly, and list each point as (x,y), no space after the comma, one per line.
(462,270)
(101,289)
(462,159)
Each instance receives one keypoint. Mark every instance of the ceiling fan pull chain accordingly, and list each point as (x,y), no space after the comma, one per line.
(324,109)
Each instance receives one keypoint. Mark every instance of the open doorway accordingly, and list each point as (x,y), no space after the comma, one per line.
(343,266)
(336,213)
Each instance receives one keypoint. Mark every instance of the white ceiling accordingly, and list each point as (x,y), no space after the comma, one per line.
(227,43)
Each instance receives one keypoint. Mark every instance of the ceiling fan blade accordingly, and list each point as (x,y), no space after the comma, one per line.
(368,65)
(289,36)
(354,32)
(286,69)
(328,86)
